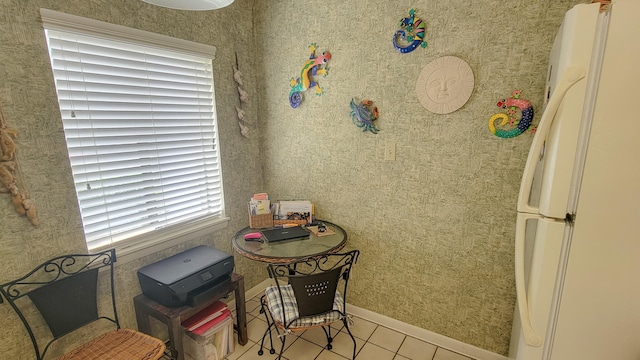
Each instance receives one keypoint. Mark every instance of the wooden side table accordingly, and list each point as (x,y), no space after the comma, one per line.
(173,317)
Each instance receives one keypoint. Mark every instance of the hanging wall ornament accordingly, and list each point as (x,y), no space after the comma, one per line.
(10,174)
(244,99)
(310,68)
(445,84)
(237,75)
(513,105)
(411,32)
(242,122)
(244,96)
(363,114)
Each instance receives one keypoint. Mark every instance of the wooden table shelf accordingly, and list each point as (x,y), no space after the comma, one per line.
(173,317)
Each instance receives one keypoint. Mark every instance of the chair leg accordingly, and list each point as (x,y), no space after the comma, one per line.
(270,324)
(327,332)
(283,338)
(346,325)
(271,350)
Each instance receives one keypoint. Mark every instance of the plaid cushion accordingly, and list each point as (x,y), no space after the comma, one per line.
(291,308)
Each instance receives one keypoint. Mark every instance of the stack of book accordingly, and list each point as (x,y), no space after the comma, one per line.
(296,210)
(208,334)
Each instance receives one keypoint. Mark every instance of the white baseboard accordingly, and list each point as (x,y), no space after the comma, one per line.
(407,329)
(425,335)
(259,289)
(254,291)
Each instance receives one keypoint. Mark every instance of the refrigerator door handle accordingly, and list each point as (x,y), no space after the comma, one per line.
(570,77)
(530,336)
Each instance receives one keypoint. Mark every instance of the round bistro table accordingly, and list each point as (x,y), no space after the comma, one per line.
(288,251)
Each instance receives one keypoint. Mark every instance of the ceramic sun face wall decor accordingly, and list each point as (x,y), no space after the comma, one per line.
(445,84)
(314,66)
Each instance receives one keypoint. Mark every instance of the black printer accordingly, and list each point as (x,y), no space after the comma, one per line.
(187,278)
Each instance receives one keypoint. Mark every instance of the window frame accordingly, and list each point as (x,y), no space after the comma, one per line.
(158,240)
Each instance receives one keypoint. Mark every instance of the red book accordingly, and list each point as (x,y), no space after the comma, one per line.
(205,315)
(226,313)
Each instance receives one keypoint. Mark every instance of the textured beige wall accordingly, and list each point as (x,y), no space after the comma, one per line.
(436,226)
(28,99)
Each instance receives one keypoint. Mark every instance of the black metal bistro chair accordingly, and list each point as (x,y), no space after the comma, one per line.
(308,294)
(65,291)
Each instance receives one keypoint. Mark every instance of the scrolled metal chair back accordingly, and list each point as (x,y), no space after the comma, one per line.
(315,280)
(64,290)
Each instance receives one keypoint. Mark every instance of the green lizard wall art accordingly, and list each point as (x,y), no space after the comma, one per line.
(310,68)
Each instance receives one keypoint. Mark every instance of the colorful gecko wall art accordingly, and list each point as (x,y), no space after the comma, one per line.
(414,34)
(310,68)
(512,104)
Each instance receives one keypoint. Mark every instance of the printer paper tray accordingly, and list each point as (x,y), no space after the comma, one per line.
(204,293)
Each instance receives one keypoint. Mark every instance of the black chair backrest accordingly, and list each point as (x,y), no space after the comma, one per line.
(315,280)
(64,290)
(315,293)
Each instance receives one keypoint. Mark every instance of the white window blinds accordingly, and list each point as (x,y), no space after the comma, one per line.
(139,122)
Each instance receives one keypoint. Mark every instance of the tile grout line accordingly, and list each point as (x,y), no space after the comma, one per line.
(366,341)
(400,347)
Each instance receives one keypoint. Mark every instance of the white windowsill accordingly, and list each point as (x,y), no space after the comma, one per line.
(148,244)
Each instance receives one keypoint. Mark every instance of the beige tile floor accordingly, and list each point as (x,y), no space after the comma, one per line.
(373,342)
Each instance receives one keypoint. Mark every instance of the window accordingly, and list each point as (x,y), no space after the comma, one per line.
(138,111)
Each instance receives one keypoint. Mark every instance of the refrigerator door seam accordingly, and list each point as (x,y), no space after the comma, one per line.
(555,305)
(587,114)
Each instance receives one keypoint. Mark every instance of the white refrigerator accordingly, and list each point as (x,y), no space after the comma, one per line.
(577,246)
